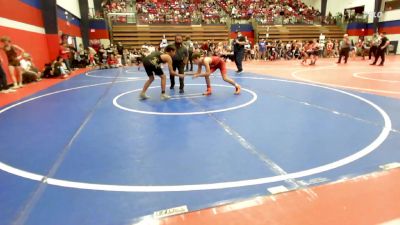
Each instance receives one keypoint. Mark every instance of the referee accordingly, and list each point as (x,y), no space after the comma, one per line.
(238,51)
(380,53)
(179,61)
(344,49)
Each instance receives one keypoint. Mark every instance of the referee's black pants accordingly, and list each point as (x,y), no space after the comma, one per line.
(344,52)
(372,51)
(238,59)
(380,53)
(180,65)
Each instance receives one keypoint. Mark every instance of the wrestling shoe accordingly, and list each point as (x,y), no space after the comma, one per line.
(165,97)
(143,96)
(208,92)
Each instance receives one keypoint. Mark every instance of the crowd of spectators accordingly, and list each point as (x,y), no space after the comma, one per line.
(117,6)
(287,12)
(243,9)
(291,50)
(23,70)
(172,12)
(216,12)
(265,11)
(179,12)
(270,50)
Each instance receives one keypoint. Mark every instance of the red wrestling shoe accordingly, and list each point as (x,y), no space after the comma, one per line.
(208,92)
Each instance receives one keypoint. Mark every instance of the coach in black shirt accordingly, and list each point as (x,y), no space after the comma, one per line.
(344,48)
(238,51)
(179,61)
(381,49)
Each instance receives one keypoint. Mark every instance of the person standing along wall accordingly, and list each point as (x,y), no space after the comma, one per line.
(3,80)
(13,60)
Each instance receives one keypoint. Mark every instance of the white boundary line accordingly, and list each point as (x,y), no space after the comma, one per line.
(194,95)
(210,186)
(116,104)
(133,78)
(135,71)
(357,75)
(127,78)
(294,75)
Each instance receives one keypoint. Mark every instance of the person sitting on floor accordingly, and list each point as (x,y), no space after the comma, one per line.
(29,72)
(58,68)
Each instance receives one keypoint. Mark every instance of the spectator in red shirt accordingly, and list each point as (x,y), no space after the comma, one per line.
(204,47)
(112,61)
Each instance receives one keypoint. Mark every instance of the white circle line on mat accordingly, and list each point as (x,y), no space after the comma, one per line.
(209,186)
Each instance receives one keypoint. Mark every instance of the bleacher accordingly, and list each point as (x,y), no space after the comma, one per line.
(134,36)
(299,32)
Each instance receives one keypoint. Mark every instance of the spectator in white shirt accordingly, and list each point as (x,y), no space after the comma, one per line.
(29,71)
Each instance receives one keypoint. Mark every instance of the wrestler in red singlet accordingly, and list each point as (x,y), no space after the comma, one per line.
(212,64)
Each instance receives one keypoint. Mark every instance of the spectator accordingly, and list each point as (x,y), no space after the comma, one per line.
(59,69)
(247,50)
(13,60)
(3,82)
(256,51)
(204,47)
(81,56)
(29,71)
(164,43)
(190,46)
(112,61)
(102,54)
(262,49)
(91,56)
(48,71)
(120,49)
(64,53)
(330,49)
